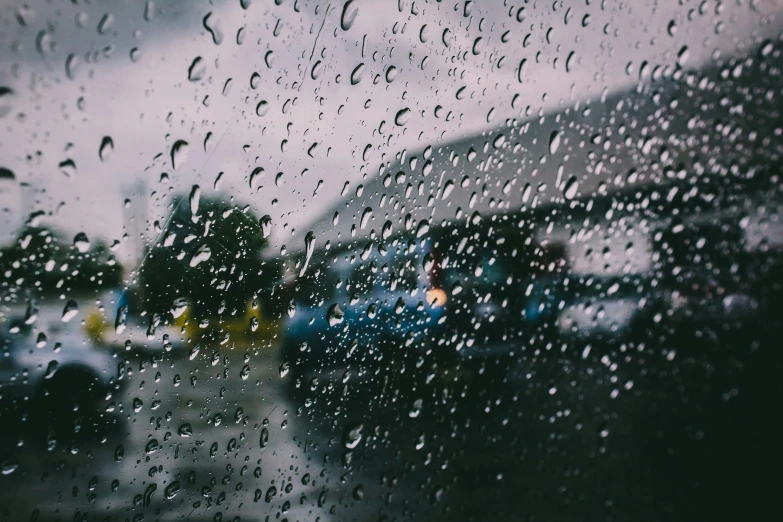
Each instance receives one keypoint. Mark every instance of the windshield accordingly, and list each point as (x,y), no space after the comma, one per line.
(365,260)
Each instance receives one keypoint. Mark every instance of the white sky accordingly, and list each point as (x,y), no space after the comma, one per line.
(147,105)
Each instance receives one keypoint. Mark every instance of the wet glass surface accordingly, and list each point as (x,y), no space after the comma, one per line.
(377,260)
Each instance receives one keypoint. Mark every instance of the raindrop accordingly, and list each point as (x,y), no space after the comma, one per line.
(366,215)
(270,494)
(522,70)
(554,141)
(391,73)
(257,173)
(81,242)
(202,254)
(197,70)
(185,430)
(9,465)
(68,168)
(349,15)
(283,369)
(478,45)
(106,148)
(446,37)
(309,246)
(415,409)
(179,153)
(386,231)
(571,188)
(105,24)
(51,369)
(212,25)
(424,34)
(71,65)
(262,108)
(255,80)
(315,72)
(335,315)
(70,310)
(178,307)
(266,225)
(356,75)
(172,490)
(195,198)
(402,117)
(120,322)
(352,436)
(264,438)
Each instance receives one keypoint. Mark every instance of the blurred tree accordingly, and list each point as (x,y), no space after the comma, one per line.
(40,262)
(211,259)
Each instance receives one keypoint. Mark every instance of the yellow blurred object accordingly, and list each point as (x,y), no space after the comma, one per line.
(95,325)
(237,327)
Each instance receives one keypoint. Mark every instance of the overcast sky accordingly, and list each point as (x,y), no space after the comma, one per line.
(79,73)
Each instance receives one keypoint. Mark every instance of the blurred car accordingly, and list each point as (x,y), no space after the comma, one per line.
(357,310)
(60,381)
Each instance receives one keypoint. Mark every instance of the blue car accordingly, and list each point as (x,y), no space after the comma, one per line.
(358,312)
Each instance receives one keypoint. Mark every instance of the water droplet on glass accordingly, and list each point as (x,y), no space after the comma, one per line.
(106,148)
(264,438)
(309,246)
(51,369)
(179,153)
(202,254)
(283,370)
(172,490)
(197,69)
(262,108)
(70,311)
(266,226)
(255,80)
(402,117)
(335,315)
(356,75)
(391,73)
(554,142)
(212,25)
(350,10)
(315,72)
(571,188)
(106,22)
(121,320)
(352,436)
(81,242)
(68,168)
(178,307)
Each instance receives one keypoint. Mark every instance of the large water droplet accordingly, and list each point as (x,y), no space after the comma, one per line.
(335,315)
(106,148)
(350,10)
(352,436)
(70,311)
(356,75)
(195,198)
(179,153)
(571,188)
(402,117)
(309,246)
(121,320)
(81,242)
(212,24)
(266,226)
(554,141)
(197,69)
(202,254)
